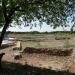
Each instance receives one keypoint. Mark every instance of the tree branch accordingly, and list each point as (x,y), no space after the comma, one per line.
(12,11)
(4,9)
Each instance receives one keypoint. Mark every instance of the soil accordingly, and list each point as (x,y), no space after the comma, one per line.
(72,67)
(41,60)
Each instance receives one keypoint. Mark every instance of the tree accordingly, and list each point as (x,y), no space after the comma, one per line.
(53,12)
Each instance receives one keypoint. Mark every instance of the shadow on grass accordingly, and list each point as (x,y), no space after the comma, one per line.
(18,69)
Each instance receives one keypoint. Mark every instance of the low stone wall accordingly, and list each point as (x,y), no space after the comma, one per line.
(49,51)
(62,38)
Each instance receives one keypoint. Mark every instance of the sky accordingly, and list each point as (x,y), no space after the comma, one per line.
(44,28)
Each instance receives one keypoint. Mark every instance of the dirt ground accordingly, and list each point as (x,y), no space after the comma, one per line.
(43,60)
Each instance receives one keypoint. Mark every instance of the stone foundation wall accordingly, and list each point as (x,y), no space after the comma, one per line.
(49,51)
(62,38)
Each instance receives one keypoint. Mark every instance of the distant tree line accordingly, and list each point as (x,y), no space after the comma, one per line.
(36,32)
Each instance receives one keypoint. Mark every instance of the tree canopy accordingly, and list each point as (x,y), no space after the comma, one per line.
(53,12)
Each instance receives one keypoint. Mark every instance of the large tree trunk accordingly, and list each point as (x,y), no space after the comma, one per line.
(7,19)
(3,32)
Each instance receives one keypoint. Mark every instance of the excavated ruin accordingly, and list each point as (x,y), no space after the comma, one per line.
(50,51)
